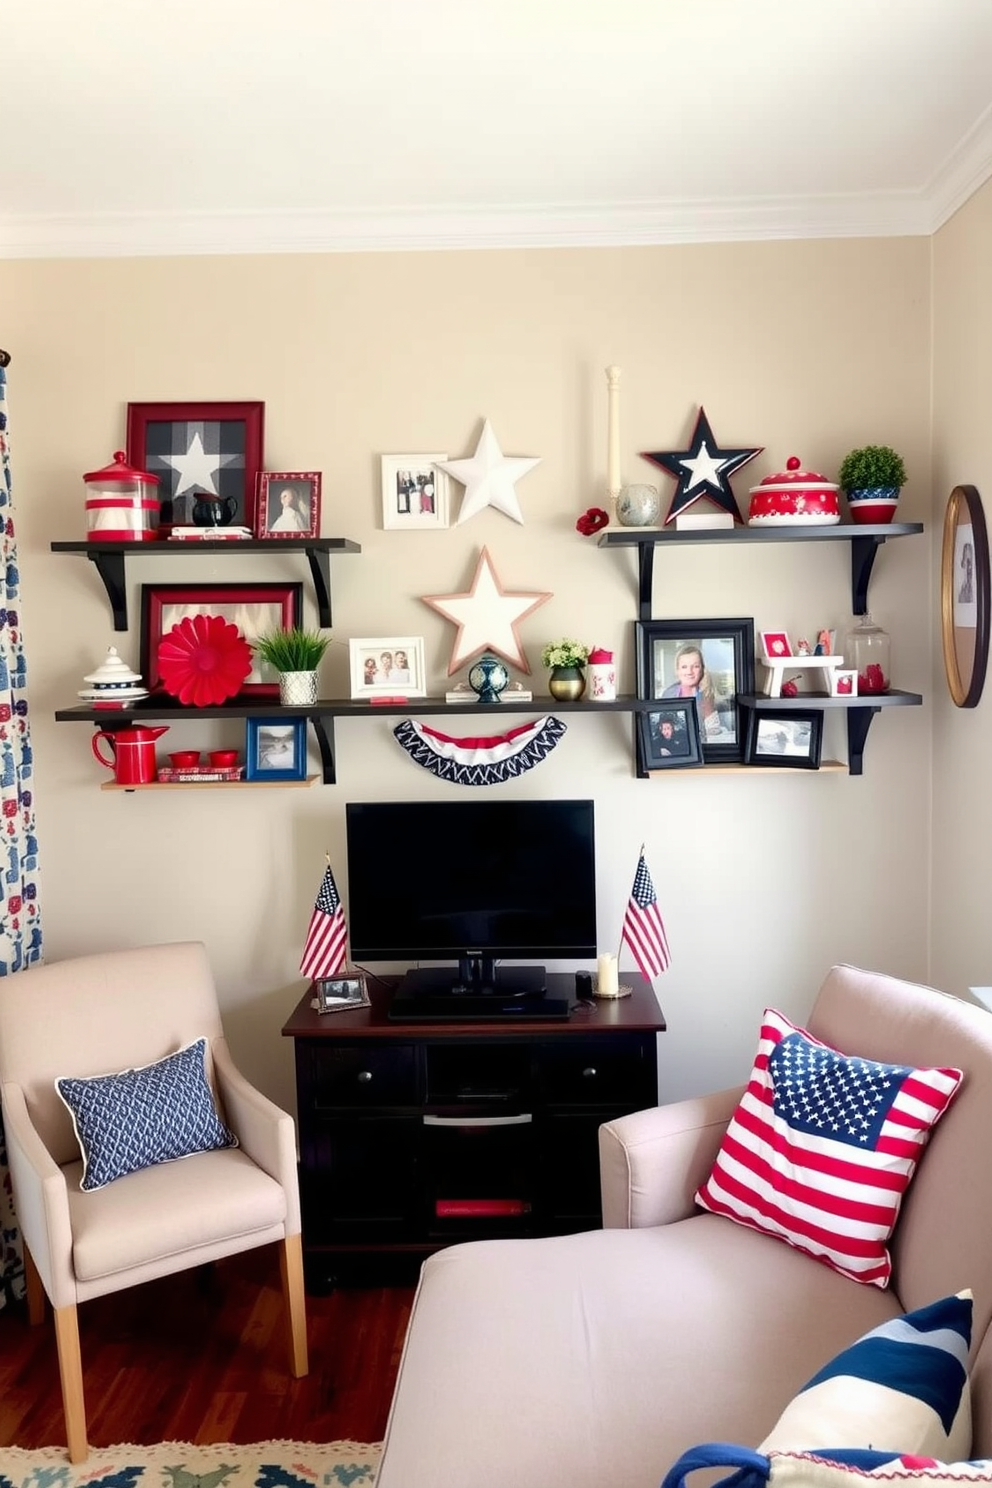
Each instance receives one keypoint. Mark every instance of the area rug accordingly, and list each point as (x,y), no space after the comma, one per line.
(270,1464)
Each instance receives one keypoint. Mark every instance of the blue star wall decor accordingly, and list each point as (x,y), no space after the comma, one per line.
(703,470)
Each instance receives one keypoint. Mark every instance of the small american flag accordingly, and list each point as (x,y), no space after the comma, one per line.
(327,935)
(643,927)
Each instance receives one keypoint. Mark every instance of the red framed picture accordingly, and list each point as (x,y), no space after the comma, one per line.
(206,455)
(255,609)
(288,504)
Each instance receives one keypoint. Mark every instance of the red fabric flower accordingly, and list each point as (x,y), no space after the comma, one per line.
(592,521)
(203,660)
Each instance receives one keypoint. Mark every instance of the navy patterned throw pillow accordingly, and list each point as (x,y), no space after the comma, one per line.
(139,1117)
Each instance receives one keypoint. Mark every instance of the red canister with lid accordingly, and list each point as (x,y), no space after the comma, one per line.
(122,503)
(793,497)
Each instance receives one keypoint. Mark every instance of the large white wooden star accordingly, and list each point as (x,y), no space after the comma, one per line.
(489,477)
(487,617)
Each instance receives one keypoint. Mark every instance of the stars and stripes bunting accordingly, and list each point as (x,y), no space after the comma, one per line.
(324,952)
(643,927)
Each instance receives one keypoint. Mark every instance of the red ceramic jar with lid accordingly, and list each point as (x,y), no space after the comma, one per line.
(794,497)
(122,503)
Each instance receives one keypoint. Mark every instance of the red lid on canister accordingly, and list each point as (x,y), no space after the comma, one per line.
(120,470)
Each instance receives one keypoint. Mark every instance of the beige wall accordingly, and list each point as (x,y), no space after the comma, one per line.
(765,879)
(962,806)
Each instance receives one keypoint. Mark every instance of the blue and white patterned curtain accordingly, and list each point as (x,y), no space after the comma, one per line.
(20,917)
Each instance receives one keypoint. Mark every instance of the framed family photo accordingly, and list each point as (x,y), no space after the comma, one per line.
(199,450)
(275,749)
(414,492)
(387,666)
(710,661)
(288,504)
(669,739)
(255,609)
(339,993)
(787,739)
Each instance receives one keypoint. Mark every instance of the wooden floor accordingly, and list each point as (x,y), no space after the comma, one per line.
(201,1357)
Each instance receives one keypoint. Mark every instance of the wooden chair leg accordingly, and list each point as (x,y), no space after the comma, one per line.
(71,1375)
(294,1300)
(35,1290)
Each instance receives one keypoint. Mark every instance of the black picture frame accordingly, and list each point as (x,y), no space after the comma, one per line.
(964,596)
(669,739)
(726,647)
(785,739)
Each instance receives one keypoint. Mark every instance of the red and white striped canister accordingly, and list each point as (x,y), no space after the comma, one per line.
(122,504)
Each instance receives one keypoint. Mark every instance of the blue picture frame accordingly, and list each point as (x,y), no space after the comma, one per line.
(276,748)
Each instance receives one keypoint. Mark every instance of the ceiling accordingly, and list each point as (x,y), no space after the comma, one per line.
(200,126)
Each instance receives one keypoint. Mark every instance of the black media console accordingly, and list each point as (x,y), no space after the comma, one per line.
(416,1135)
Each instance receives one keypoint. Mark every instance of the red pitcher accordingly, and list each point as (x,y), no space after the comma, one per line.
(133,752)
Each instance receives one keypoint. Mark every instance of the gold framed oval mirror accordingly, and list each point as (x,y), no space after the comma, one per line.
(964,595)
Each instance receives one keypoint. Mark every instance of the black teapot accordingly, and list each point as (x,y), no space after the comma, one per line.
(213,511)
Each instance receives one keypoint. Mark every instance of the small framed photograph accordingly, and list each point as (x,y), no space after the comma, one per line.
(198,449)
(276,749)
(288,504)
(775,644)
(789,739)
(711,661)
(414,492)
(387,666)
(338,993)
(669,739)
(843,682)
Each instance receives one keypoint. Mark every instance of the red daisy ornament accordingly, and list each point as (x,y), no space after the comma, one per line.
(204,660)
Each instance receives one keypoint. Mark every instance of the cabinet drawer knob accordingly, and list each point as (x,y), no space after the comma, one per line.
(590,1072)
(364,1077)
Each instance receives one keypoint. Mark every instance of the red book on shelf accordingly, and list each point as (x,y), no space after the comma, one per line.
(479,1208)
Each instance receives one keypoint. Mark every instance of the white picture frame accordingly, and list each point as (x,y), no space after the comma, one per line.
(414,492)
(387,666)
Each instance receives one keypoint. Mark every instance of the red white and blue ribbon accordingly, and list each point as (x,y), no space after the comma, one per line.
(480,760)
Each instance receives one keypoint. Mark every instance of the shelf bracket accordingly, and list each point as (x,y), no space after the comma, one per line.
(645,579)
(320,572)
(863,550)
(858,724)
(323,727)
(640,768)
(110,567)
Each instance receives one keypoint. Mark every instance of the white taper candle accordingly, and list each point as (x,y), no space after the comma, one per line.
(613,433)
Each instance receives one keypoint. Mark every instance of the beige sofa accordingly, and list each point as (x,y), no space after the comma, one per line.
(594,1360)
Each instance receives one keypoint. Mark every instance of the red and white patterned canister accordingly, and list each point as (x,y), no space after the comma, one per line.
(122,503)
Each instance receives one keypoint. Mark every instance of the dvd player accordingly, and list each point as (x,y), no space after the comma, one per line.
(412,1006)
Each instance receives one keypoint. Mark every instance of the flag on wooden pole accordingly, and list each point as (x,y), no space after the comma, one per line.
(643,927)
(324,952)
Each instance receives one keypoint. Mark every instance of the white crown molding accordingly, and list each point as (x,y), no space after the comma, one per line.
(967,167)
(606,225)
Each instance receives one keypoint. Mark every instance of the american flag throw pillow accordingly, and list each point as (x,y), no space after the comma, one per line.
(822,1148)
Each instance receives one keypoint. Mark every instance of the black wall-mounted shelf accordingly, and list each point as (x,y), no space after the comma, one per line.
(860,712)
(323,713)
(865,542)
(110,559)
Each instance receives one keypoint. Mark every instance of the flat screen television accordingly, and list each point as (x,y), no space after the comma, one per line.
(471,883)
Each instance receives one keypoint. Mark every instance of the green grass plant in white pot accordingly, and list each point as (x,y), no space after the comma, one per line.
(296,655)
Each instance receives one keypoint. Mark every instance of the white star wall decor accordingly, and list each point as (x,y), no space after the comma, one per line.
(196,468)
(489,477)
(487,616)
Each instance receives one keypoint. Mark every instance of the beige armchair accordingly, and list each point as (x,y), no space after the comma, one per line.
(99,1014)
